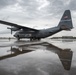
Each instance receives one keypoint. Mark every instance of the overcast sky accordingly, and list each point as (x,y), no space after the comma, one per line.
(37,13)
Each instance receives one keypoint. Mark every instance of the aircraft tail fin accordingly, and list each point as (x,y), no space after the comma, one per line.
(66,21)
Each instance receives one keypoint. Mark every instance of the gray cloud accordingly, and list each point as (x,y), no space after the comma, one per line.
(29,7)
(72,5)
(54,8)
(59,6)
(5,3)
(35,9)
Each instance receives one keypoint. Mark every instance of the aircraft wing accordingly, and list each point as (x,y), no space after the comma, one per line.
(18,26)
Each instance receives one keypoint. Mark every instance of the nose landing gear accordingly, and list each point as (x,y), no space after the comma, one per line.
(18,38)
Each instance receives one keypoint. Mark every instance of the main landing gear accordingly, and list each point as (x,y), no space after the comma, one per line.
(18,39)
(32,39)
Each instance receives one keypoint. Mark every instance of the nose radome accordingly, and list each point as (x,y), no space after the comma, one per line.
(15,35)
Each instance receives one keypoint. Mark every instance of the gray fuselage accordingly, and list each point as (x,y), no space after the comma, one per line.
(39,34)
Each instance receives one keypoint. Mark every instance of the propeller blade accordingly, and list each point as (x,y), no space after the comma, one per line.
(11,31)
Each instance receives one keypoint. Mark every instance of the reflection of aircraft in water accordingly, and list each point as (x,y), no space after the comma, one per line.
(34,34)
(66,58)
(14,52)
(65,55)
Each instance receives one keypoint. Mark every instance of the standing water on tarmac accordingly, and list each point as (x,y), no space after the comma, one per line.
(45,57)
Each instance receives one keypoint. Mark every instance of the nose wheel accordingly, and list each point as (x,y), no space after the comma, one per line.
(18,39)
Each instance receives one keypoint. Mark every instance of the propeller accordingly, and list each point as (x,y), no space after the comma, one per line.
(10,29)
(13,29)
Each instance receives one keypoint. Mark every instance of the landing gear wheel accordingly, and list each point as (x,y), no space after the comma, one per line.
(31,39)
(18,39)
(39,39)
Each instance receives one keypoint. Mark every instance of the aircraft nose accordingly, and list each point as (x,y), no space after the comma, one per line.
(15,35)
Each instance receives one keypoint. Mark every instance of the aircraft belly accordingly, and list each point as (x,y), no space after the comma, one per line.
(25,35)
(41,35)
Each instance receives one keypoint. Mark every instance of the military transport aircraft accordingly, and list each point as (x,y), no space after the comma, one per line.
(34,34)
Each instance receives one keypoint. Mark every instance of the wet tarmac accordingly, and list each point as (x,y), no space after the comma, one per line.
(45,57)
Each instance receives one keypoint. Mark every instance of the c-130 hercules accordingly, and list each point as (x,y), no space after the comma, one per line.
(34,34)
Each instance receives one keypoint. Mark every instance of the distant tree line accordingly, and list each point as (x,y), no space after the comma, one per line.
(64,37)
(6,37)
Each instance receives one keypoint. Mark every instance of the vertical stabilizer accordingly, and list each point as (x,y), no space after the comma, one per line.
(66,21)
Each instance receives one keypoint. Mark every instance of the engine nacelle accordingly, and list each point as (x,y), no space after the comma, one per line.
(13,28)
